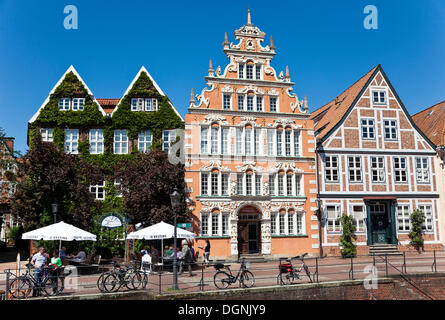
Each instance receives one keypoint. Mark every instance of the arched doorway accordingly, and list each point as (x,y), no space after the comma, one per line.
(249,230)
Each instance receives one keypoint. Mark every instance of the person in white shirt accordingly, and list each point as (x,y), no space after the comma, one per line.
(38,261)
(145,261)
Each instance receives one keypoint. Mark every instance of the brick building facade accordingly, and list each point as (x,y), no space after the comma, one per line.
(375,165)
(250,166)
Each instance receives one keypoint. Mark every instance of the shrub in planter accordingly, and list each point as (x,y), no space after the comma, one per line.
(416,232)
(349,248)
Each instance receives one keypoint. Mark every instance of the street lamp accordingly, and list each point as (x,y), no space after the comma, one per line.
(54,209)
(175,199)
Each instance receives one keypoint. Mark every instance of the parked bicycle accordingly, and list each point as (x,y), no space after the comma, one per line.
(288,273)
(50,283)
(222,279)
(130,277)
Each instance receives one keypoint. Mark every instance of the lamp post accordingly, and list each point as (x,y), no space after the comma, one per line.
(175,200)
(54,209)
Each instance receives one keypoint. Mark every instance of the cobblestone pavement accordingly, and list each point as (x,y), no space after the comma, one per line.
(329,269)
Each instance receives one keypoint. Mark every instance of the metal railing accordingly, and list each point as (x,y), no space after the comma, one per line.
(84,279)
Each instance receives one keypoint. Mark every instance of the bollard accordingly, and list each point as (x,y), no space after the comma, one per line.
(160,281)
(434,266)
(316,267)
(351,271)
(404,263)
(386,264)
(201,283)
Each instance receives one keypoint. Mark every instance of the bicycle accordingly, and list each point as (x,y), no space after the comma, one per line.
(130,277)
(289,274)
(22,285)
(222,279)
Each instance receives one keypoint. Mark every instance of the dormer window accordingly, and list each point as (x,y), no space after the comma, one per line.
(75,104)
(141,104)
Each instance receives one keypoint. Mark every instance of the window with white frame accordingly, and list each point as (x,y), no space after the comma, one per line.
(227,101)
(151,104)
(279,135)
(248,141)
(204,184)
(249,188)
(241,102)
(289,184)
(378,169)
(78,104)
(98,190)
(286,184)
(214,140)
(403,218)
(71,141)
(214,184)
(258,72)
(286,223)
(273,104)
(390,129)
(225,224)
(298,188)
(239,141)
(358,217)
(280,185)
(270,139)
(117,187)
(241,71)
(258,185)
(224,140)
(259,103)
(96,141)
(64,103)
(287,142)
(215,223)
(368,130)
(272,184)
(333,218)
(204,140)
(249,71)
(249,103)
(256,141)
(144,141)
(355,168)
(47,134)
(428,224)
(168,137)
(120,145)
(137,104)
(204,224)
(297,150)
(400,170)
(331,169)
(379,97)
(225,184)
(422,170)
(239,184)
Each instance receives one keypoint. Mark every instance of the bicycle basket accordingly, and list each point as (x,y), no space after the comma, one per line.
(285,267)
(218,266)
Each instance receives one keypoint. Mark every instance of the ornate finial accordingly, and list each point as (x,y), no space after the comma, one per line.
(287,72)
(192,98)
(305,107)
(211,71)
(272,47)
(249,21)
(226,41)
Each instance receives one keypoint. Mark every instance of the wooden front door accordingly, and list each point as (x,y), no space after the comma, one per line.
(380,227)
(248,237)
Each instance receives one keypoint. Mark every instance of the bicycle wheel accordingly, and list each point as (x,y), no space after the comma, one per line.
(100,282)
(221,280)
(308,273)
(286,278)
(20,288)
(247,279)
(111,283)
(137,280)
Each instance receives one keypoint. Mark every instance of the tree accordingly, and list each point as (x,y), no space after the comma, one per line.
(417,218)
(349,248)
(146,184)
(45,175)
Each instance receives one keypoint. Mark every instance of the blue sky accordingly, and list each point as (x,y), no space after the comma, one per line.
(323,42)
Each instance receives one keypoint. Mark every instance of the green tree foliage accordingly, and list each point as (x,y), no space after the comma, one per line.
(415,235)
(46,175)
(349,248)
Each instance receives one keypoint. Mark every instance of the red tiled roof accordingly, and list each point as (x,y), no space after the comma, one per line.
(329,115)
(108,104)
(432,123)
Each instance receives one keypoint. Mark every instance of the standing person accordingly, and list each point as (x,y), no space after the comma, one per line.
(206,252)
(38,261)
(186,258)
(62,254)
(56,263)
(192,251)
(154,254)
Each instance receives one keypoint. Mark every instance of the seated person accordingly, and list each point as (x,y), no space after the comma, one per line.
(169,252)
(80,257)
(62,254)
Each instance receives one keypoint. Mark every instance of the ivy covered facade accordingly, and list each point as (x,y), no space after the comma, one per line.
(106,131)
